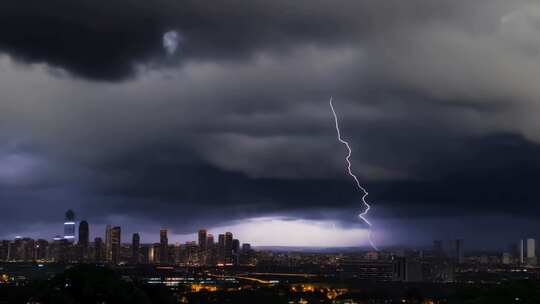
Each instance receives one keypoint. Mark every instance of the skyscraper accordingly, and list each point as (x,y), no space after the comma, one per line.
(521,251)
(135,247)
(69,225)
(235,252)
(203,246)
(108,244)
(42,249)
(164,246)
(83,240)
(98,250)
(531,251)
(115,244)
(221,249)
(228,248)
(210,250)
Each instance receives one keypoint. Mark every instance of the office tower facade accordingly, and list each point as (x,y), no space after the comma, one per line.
(451,248)
(235,251)
(99,250)
(521,251)
(203,246)
(506,258)
(60,249)
(245,255)
(42,250)
(407,270)
(83,240)
(28,250)
(69,225)
(135,248)
(235,246)
(531,251)
(116,241)
(163,246)
(4,250)
(221,249)
(228,248)
(531,248)
(108,243)
(145,254)
(211,251)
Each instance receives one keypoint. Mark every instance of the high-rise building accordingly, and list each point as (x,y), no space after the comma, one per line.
(83,234)
(28,249)
(108,243)
(531,248)
(236,246)
(116,233)
(235,252)
(69,225)
(135,248)
(531,251)
(83,240)
(203,246)
(407,270)
(221,249)
(228,248)
(506,258)
(98,250)
(42,250)
(211,253)
(521,251)
(246,254)
(451,248)
(60,252)
(4,250)
(163,246)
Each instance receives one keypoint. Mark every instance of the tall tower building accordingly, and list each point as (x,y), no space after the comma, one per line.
(221,249)
(116,233)
(210,250)
(236,251)
(135,247)
(98,250)
(521,251)
(228,248)
(108,243)
(69,225)
(203,246)
(531,248)
(531,251)
(163,246)
(83,240)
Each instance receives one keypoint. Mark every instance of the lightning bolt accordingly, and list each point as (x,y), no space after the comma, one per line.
(367,207)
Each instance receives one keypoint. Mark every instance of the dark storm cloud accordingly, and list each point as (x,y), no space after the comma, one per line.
(438,99)
(107,40)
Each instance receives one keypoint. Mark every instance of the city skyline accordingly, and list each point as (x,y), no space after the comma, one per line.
(79,231)
(224,250)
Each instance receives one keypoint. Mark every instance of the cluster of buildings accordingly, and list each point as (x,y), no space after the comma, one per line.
(207,251)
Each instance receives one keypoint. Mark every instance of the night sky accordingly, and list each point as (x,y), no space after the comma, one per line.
(226,124)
